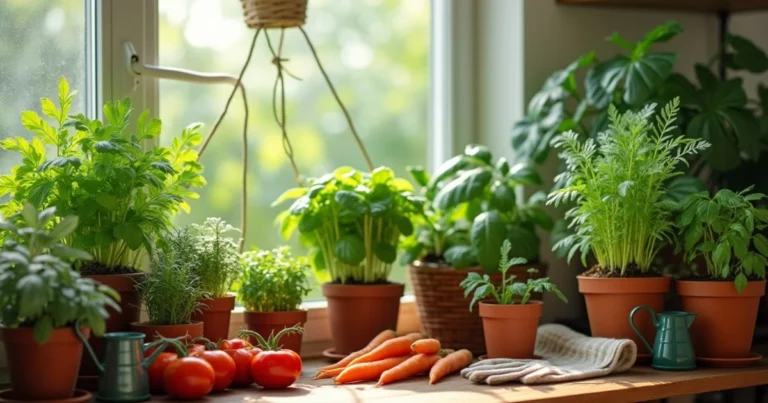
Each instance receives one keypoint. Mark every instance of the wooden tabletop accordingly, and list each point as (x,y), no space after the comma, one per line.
(636,385)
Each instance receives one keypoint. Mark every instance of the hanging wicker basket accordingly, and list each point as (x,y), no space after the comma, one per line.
(274,13)
(444,311)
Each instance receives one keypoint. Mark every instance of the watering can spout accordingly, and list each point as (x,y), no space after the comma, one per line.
(689,319)
(159,348)
(94,357)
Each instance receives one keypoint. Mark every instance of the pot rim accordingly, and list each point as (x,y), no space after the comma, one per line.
(281,317)
(148,324)
(218,304)
(371,291)
(121,282)
(718,289)
(419,265)
(532,310)
(624,285)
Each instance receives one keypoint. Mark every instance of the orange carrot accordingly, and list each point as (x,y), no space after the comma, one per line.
(368,371)
(328,373)
(451,363)
(390,348)
(415,365)
(380,338)
(425,346)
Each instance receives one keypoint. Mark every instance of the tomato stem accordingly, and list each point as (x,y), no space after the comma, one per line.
(209,345)
(271,343)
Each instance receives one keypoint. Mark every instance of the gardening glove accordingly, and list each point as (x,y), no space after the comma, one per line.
(501,370)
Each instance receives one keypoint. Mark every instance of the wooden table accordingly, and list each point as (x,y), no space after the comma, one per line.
(637,385)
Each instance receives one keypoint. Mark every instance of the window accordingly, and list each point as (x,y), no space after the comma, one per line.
(376,53)
(41,41)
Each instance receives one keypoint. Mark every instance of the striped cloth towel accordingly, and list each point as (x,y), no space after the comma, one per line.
(565,356)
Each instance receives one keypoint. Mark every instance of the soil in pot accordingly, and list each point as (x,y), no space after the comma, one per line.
(725,320)
(124,282)
(510,330)
(188,331)
(359,312)
(43,372)
(267,323)
(609,301)
(215,315)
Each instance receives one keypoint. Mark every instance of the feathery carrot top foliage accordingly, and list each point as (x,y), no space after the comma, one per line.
(622,211)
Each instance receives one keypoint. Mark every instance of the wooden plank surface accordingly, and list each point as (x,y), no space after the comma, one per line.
(707,6)
(639,384)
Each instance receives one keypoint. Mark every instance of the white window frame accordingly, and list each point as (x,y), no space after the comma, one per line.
(451,111)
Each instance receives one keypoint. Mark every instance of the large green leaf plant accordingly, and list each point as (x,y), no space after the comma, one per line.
(99,171)
(353,221)
(473,207)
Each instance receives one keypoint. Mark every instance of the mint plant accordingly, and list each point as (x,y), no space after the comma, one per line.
(508,292)
(273,280)
(38,288)
(722,230)
(125,196)
(618,185)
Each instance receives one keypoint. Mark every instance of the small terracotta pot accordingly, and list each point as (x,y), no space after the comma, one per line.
(125,285)
(510,330)
(43,372)
(215,315)
(610,300)
(190,330)
(725,319)
(265,323)
(359,312)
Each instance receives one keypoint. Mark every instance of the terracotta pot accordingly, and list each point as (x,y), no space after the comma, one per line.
(125,285)
(609,301)
(359,312)
(725,319)
(43,372)
(215,315)
(191,330)
(510,330)
(265,323)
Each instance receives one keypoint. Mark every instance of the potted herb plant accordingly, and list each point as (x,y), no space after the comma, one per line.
(722,231)
(217,267)
(271,287)
(471,208)
(621,213)
(98,170)
(509,323)
(171,290)
(43,300)
(353,221)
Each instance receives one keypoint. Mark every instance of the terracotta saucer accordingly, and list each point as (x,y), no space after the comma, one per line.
(485,357)
(643,359)
(80,396)
(729,362)
(331,354)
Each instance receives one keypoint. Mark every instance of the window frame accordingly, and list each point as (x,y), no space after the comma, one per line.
(450,108)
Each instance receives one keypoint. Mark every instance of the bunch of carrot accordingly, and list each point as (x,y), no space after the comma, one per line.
(390,358)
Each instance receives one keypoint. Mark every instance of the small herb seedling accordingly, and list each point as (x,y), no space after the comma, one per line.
(508,292)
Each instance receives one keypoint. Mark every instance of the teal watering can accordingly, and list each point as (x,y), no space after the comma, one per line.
(124,376)
(672,350)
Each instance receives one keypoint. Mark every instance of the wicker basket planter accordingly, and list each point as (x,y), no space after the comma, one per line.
(443,309)
(274,13)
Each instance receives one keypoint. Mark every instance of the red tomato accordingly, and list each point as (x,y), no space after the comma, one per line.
(157,372)
(195,350)
(276,369)
(189,378)
(233,344)
(242,358)
(223,368)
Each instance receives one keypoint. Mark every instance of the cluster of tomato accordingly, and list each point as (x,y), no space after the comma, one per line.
(214,368)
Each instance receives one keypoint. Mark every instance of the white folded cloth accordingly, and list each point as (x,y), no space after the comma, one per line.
(565,356)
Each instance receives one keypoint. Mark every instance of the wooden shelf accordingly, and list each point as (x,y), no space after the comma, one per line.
(704,6)
(638,384)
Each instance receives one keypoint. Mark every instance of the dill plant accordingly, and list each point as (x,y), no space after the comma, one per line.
(622,212)
(171,289)
(218,257)
(273,280)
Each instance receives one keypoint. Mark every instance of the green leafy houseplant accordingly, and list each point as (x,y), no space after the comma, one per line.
(721,230)
(218,258)
(171,290)
(125,196)
(621,212)
(353,221)
(38,288)
(508,292)
(273,280)
(472,207)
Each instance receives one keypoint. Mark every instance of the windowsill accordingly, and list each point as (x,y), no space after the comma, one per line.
(317,336)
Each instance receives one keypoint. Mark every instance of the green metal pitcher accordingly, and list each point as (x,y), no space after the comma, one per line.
(124,372)
(672,350)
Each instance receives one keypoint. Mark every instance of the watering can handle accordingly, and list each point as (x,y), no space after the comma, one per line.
(88,347)
(632,323)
